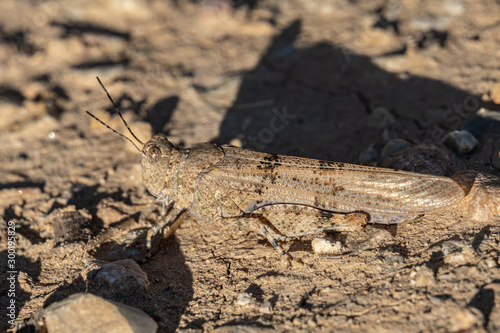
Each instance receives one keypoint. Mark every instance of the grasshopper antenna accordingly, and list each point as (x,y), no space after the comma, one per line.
(123,136)
(117,111)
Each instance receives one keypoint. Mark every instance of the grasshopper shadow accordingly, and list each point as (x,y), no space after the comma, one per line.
(21,296)
(170,291)
(170,279)
(485,301)
(321,102)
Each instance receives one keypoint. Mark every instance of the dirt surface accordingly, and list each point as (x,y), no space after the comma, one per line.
(220,71)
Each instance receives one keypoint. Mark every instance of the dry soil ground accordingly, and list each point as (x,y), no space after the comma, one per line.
(219,71)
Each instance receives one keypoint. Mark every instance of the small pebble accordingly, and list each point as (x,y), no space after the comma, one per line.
(465,256)
(380,118)
(368,155)
(325,246)
(17,210)
(311,323)
(427,22)
(465,273)
(466,320)
(296,322)
(123,275)
(461,142)
(452,246)
(434,299)
(393,147)
(266,308)
(454,7)
(236,142)
(446,277)
(244,299)
(491,263)
(425,158)
(424,277)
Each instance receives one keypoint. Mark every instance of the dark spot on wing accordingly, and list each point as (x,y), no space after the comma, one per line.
(266,165)
(272,158)
(337,189)
(323,165)
(325,214)
(269,163)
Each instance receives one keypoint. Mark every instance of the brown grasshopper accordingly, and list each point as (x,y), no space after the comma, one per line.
(281,196)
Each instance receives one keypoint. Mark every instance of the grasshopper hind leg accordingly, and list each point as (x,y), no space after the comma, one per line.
(285,221)
(261,225)
(295,221)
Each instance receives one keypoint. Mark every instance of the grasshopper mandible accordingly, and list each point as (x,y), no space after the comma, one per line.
(281,196)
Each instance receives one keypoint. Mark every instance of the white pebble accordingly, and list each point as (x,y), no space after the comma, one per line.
(324,246)
(244,299)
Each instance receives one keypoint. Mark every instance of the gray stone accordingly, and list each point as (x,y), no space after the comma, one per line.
(424,158)
(126,273)
(461,142)
(89,313)
(423,276)
(368,155)
(393,147)
(381,118)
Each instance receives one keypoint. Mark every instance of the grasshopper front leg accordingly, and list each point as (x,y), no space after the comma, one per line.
(176,217)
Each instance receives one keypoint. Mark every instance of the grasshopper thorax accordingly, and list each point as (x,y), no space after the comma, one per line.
(155,163)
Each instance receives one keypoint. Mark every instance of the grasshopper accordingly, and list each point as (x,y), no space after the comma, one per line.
(280,196)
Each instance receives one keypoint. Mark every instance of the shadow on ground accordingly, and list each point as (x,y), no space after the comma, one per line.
(319,102)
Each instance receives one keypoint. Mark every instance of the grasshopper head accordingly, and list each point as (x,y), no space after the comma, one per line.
(155,161)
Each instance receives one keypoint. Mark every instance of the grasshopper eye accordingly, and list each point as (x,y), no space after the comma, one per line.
(154,154)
